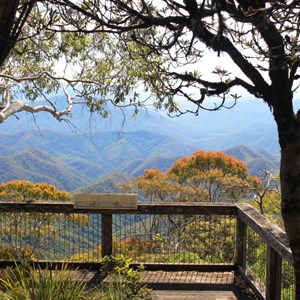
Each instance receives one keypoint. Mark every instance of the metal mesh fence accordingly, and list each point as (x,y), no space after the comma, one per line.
(49,236)
(256,267)
(287,281)
(256,260)
(145,238)
(175,238)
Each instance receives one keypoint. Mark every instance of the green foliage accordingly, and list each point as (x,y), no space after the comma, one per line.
(23,282)
(270,207)
(287,281)
(125,281)
(211,238)
(267,198)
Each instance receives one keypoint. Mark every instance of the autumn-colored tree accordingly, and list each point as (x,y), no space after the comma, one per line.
(204,176)
(20,231)
(222,177)
(21,190)
(157,186)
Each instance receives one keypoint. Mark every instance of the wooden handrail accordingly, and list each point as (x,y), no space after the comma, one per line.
(274,236)
(142,208)
(246,215)
(277,247)
(271,233)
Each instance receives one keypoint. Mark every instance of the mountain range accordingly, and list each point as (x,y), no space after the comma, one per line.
(93,152)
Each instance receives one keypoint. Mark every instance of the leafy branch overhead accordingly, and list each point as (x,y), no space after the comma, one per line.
(259,37)
(105,53)
(47,59)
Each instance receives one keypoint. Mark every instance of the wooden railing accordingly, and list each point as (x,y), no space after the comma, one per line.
(249,225)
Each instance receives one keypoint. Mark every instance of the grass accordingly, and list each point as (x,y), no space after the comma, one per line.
(26,282)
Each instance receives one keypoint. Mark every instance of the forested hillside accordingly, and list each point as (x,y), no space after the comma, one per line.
(71,161)
(37,165)
(78,155)
(257,161)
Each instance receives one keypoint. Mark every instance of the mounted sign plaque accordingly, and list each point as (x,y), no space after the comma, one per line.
(105,201)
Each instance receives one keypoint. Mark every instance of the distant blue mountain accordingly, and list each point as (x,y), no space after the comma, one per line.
(249,123)
(86,147)
(63,157)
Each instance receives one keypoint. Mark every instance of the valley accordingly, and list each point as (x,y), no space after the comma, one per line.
(89,153)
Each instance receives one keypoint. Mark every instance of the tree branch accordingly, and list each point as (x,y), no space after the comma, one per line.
(19,106)
(217,88)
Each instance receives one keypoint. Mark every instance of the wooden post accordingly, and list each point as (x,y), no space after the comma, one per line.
(106,232)
(241,243)
(273,280)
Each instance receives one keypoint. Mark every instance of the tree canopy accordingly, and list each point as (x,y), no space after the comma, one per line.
(204,176)
(22,190)
(101,52)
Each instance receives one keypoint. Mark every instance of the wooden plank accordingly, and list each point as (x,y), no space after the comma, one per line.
(169,267)
(273,280)
(240,243)
(188,208)
(193,208)
(187,267)
(192,295)
(105,201)
(270,233)
(191,278)
(106,236)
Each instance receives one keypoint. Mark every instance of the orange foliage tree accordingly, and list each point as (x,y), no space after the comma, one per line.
(204,176)
(22,190)
(21,234)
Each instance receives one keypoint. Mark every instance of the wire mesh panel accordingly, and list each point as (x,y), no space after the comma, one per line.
(256,258)
(175,238)
(50,236)
(287,281)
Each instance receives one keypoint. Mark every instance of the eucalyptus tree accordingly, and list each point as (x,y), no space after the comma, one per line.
(164,45)
(203,176)
(43,53)
(168,40)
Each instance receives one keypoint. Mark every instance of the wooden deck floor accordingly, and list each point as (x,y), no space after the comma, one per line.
(187,285)
(196,285)
(192,295)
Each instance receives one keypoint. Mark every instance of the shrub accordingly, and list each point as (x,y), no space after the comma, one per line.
(24,282)
(124,283)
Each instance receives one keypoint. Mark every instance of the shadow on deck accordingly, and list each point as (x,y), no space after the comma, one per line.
(187,285)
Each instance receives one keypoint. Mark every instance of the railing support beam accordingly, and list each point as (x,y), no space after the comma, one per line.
(241,243)
(273,280)
(106,234)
